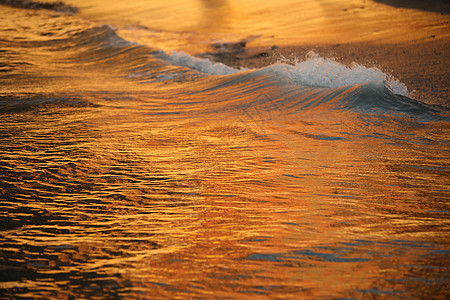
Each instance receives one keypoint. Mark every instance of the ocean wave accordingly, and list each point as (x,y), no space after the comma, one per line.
(315,71)
(314,83)
(263,93)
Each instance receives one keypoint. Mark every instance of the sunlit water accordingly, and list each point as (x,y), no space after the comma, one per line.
(127,172)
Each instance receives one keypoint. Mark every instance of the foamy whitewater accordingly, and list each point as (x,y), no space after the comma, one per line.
(128,171)
(315,71)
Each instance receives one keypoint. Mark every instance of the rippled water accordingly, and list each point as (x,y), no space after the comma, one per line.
(127,172)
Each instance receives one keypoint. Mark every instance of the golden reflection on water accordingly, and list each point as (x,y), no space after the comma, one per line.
(238,202)
(174,207)
(118,188)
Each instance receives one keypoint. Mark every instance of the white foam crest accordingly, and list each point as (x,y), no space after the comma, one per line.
(316,71)
(203,65)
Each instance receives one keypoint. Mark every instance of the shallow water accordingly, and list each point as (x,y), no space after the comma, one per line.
(129,172)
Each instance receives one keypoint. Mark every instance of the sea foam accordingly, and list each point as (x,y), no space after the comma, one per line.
(203,65)
(317,71)
(314,71)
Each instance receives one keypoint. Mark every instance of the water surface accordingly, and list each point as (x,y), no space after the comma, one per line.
(129,172)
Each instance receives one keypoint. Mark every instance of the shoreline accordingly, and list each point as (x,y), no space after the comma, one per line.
(406,39)
(423,66)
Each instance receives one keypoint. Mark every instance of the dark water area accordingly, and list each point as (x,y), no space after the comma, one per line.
(129,172)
